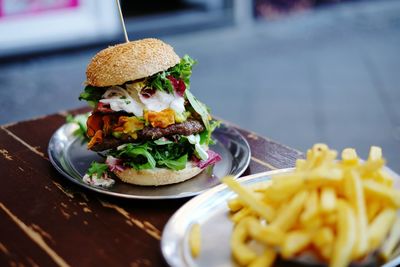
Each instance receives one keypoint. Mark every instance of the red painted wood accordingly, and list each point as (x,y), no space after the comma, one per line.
(84,228)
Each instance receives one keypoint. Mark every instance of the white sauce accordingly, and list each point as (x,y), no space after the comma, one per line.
(120,100)
(195,140)
(103,181)
(162,100)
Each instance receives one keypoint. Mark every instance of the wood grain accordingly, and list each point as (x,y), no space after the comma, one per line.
(46,220)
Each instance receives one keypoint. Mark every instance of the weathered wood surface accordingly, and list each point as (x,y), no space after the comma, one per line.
(45,220)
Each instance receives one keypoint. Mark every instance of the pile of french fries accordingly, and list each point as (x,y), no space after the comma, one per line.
(340,211)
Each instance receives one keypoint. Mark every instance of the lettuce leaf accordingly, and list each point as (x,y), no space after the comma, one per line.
(174,164)
(200,108)
(182,70)
(139,154)
(97,168)
(151,154)
(80,121)
(92,95)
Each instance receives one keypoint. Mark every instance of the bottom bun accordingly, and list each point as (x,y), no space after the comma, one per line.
(157,176)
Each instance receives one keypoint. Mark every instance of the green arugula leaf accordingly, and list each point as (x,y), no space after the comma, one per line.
(205,136)
(174,164)
(149,154)
(97,168)
(182,70)
(140,156)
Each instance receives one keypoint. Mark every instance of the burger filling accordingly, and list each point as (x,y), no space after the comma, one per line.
(152,122)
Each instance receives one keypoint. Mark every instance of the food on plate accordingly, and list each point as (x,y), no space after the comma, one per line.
(195,240)
(338,211)
(145,119)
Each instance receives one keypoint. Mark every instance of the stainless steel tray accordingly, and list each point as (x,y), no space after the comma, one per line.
(210,211)
(71,158)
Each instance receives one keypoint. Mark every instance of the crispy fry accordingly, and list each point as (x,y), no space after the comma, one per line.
(240,251)
(342,211)
(328,199)
(244,212)
(195,240)
(349,157)
(377,190)
(323,241)
(285,186)
(311,207)
(384,178)
(375,153)
(268,235)
(393,239)
(288,216)
(248,197)
(380,227)
(265,260)
(235,204)
(373,208)
(345,240)
(355,195)
(295,241)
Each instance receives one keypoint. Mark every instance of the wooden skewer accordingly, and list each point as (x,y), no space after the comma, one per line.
(122,21)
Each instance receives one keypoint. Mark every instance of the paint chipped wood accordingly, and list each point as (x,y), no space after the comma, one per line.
(46,220)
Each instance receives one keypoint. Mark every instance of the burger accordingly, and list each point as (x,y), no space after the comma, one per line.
(145,120)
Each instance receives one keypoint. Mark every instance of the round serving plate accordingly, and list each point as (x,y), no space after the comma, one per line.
(211,212)
(70,156)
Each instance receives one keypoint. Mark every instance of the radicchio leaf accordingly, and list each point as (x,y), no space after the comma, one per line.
(213,157)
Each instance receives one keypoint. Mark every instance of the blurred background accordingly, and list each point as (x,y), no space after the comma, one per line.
(296,71)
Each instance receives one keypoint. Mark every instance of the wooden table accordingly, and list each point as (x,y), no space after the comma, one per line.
(46,220)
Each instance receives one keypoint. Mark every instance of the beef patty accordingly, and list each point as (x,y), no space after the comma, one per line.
(152,133)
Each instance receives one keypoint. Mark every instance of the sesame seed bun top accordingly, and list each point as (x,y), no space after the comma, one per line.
(131,61)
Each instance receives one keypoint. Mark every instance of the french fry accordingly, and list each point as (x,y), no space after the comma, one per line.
(373,208)
(355,195)
(384,178)
(235,204)
(328,199)
(375,153)
(247,196)
(301,164)
(349,157)
(288,216)
(311,207)
(240,251)
(330,219)
(285,186)
(343,211)
(325,177)
(374,162)
(244,212)
(268,235)
(195,240)
(323,241)
(393,239)
(295,241)
(265,260)
(380,227)
(345,240)
(377,190)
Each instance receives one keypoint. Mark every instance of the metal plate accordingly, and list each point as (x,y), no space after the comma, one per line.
(210,211)
(71,158)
